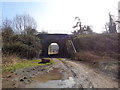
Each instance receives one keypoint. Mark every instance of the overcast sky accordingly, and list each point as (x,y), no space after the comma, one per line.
(57,16)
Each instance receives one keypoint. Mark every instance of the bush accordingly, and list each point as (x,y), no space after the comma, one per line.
(101,44)
(22,50)
(26,46)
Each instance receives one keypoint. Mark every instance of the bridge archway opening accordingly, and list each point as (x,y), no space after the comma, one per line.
(48,39)
(53,49)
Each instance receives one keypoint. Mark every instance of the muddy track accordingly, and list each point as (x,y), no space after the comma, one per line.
(87,77)
(76,77)
(63,73)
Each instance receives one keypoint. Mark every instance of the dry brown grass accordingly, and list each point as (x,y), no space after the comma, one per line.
(87,56)
(11,59)
(95,57)
(104,64)
(101,44)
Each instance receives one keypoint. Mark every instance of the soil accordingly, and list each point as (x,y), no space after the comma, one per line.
(63,73)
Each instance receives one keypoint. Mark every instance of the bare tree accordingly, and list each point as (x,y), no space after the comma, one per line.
(6,29)
(6,23)
(6,26)
(107,26)
(112,25)
(78,23)
(21,22)
(85,29)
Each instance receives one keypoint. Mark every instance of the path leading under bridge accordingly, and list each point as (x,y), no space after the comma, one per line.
(64,73)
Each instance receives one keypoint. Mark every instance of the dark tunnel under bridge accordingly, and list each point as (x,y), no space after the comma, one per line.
(60,39)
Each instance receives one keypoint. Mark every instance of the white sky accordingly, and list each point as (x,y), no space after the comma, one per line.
(59,17)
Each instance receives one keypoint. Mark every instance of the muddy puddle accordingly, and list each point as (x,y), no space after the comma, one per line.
(51,75)
(53,79)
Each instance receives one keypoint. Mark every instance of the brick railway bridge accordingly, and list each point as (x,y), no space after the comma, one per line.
(60,39)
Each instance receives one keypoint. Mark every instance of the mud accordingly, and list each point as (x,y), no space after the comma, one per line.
(67,83)
(63,73)
(52,75)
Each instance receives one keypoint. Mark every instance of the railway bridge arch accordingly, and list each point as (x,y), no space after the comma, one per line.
(60,39)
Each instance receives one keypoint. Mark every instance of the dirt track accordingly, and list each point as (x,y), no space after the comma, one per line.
(88,78)
(62,74)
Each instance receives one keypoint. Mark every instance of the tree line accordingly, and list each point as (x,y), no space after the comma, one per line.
(81,29)
(110,27)
(19,37)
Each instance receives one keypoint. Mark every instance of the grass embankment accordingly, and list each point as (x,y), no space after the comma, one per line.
(96,45)
(18,63)
(99,51)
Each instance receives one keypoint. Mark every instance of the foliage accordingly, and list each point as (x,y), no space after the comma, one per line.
(22,50)
(102,44)
(30,31)
(25,44)
(6,33)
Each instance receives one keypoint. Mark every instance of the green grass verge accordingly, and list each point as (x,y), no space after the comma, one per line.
(24,65)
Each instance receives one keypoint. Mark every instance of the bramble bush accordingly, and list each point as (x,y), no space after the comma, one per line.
(23,45)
